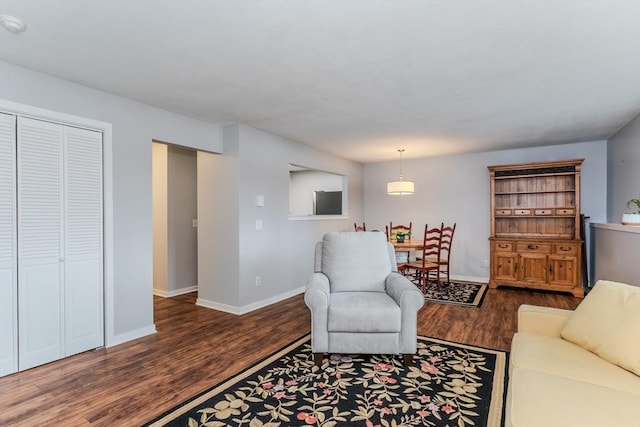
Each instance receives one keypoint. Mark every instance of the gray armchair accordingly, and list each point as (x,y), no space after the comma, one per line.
(359,303)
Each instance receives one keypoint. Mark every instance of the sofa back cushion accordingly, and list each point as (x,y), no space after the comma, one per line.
(356,261)
(607,323)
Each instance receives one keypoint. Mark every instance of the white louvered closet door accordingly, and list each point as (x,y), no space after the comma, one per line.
(60,291)
(8,267)
(83,240)
(40,243)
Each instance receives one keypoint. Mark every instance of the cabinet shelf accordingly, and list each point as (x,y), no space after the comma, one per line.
(527,175)
(509,193)
(499,217)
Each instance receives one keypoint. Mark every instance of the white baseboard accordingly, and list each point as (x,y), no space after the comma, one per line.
(470,279)
(251,307)
(131,335)
(175,292)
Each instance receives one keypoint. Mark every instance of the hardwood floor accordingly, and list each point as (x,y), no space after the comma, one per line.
(196,348)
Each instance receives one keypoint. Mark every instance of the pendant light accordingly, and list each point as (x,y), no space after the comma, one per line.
(400,187)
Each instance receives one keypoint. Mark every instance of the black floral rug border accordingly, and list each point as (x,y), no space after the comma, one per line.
(460,293)
(449,384)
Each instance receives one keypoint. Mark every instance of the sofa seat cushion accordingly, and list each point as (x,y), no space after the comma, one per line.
(559,357)
(363,312)
(540,399)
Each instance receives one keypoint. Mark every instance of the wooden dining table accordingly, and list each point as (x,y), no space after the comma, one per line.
(408,245)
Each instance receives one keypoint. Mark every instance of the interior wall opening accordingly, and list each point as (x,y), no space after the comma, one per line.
(174,219)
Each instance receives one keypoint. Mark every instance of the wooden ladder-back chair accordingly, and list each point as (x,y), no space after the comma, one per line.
(424,268)
(362,227)
(392,232)
(444,258)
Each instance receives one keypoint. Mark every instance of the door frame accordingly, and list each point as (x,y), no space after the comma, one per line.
(105,128)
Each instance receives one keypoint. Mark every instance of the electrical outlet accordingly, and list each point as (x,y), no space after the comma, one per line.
(485,263)
(258,281)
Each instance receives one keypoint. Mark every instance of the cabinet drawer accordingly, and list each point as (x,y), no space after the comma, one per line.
(542,248)
(565,248)
(503,212)
(522,212)
(542,212)
(565,211)
(503,246)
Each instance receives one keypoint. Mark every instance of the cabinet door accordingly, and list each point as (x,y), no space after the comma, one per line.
(8,268)
(563,270)
(83,240)
(533,268)
(40,243)
(505,266)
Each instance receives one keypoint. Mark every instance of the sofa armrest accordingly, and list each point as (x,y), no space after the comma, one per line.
(542,320)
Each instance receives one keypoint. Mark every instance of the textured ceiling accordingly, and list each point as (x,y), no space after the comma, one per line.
(356,78)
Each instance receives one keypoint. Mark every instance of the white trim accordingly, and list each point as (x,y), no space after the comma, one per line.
(29,111)
(174,293)
(251,307)
(316,217)
(470,279)
(132,335)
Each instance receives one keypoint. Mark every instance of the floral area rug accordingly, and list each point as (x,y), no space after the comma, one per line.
(462,293)
(449,384)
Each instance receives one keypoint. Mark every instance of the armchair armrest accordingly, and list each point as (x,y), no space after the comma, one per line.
(317,294)
(317,297)
(410,300)
(542,320)
(403,292)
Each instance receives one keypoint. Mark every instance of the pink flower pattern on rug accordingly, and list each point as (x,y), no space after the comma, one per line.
(448,385)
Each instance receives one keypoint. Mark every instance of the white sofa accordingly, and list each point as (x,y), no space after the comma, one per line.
(557,375)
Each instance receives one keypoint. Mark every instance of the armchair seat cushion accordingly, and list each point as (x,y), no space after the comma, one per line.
(363,312)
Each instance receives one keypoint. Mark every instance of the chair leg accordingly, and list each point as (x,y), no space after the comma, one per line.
(407,359)
(318,358)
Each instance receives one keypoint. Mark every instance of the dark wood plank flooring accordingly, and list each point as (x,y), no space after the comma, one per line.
(196,348)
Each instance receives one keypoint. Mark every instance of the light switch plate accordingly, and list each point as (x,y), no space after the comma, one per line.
(258,224)
(260,201)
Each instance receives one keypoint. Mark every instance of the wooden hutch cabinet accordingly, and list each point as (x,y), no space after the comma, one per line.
(535,226)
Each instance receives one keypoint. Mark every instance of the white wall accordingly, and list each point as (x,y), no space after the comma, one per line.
(135,125)
(182,206)
(281,253)
(456,189)
(218,228)
(623,166)
(159,217)
(615,254)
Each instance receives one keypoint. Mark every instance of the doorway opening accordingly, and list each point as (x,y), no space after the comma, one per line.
(175,222)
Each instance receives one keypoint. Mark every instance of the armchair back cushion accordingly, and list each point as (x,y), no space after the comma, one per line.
(356,262)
